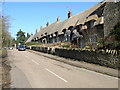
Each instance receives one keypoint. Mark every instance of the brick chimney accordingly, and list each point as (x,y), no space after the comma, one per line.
(58,19)
(69,13)
(47,24)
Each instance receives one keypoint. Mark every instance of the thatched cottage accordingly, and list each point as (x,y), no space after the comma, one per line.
(82,29)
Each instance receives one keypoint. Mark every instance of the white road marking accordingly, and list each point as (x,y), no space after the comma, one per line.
(26,56)
(35,62)
(57,75)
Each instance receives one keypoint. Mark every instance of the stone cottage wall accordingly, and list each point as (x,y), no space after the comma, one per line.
(111,16)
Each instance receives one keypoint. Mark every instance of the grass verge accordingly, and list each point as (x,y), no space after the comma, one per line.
(4,69)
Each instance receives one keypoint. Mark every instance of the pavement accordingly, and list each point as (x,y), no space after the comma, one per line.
(30,70)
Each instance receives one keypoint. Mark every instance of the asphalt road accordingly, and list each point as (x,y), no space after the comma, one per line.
(30,70)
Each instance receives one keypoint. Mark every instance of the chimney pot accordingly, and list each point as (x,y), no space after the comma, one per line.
(69,13)
(36,30)
(58,19)
(47,24)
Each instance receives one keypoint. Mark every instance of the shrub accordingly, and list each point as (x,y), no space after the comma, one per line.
(116,31)
(65,45)
(116,45)
(87,47)
(101,42)
(113,45)
(32,43)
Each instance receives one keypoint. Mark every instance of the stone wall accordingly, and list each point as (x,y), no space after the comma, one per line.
(108,58)
(111,16)
(95,57)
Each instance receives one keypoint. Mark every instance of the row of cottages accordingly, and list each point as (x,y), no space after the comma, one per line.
(82,29)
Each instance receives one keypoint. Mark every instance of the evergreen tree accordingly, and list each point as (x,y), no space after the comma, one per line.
(21,38)
(28,35)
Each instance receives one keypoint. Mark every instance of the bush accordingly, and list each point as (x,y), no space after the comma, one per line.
(113,45)
(101,42)
(32,43)
(116,31)
(87,47)
(65,45)
(116,45)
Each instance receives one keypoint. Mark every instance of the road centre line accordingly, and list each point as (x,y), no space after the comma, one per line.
(26,56)
(49,71)
(35,62)
(57,75)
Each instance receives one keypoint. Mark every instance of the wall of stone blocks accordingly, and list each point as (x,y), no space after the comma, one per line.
(106,58)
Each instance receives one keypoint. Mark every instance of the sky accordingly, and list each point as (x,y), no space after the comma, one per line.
(29,16)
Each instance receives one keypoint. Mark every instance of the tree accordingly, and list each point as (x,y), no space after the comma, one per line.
(13,42)
(21,38)
(28,35)
(5,36)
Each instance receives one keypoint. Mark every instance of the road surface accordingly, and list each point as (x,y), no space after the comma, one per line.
(30,70)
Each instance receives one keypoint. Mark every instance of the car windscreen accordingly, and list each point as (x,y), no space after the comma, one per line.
(21,46)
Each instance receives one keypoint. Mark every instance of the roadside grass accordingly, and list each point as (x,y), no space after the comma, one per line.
(4,69)
(3,53)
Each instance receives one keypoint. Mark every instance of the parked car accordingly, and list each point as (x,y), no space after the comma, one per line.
(21,48)
(10,48)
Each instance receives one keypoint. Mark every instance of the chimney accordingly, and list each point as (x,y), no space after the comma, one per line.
(47,24)
(69,13)
(40,27)
(58,19)
(36,30)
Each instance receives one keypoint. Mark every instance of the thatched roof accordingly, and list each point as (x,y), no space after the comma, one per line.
(44,30)
(78,19)
(29,39)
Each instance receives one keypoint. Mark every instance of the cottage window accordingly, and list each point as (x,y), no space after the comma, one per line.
(91,24)
(94,38)
(66,37)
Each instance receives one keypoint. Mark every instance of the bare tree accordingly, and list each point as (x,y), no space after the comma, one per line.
(5,36)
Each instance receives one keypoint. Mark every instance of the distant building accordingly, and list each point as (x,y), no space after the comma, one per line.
(82,29)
